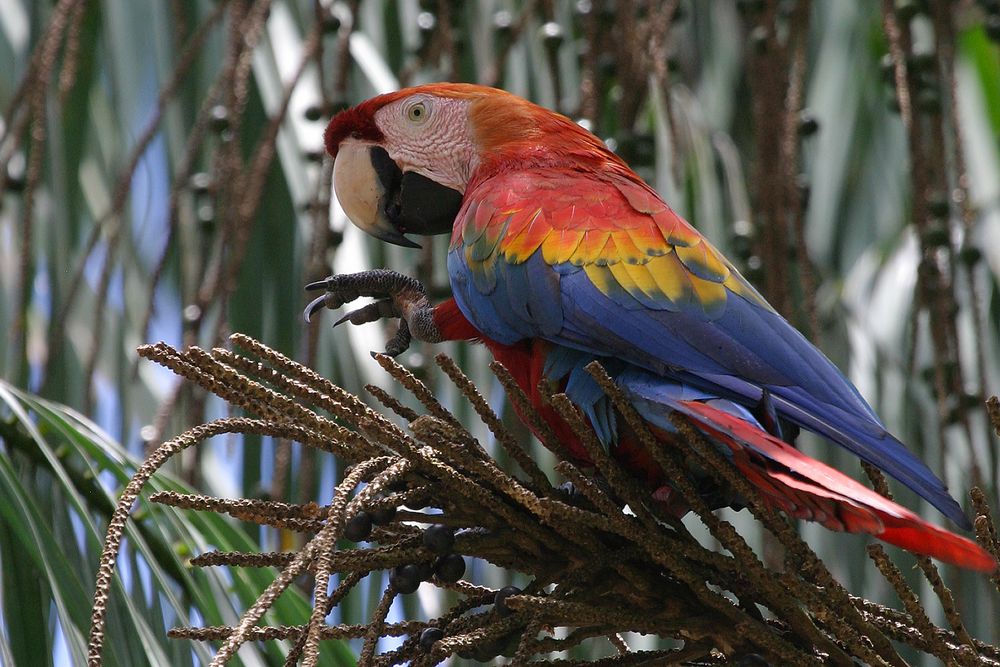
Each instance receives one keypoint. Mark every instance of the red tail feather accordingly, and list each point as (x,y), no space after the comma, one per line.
(806,488)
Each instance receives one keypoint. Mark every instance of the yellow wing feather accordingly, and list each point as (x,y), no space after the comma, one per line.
(624,237)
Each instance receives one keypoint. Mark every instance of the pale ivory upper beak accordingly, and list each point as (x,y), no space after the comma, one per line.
(357,186)
(362,190)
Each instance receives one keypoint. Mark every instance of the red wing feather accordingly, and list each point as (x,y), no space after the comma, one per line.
(808,485)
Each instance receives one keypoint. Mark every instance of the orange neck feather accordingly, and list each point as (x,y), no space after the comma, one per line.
(514,133)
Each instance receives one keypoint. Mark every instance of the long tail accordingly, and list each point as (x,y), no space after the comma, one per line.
(805,488)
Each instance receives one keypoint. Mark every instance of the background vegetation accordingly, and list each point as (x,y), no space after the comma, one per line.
(162,178)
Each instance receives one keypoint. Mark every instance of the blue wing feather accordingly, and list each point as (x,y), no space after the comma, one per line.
(689,319)
(735,355)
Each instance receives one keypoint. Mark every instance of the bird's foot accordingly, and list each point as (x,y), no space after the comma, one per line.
(395,294)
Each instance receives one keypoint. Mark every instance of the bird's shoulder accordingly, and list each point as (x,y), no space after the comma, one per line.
(610,225)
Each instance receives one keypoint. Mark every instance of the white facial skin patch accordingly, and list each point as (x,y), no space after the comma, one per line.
(421,126)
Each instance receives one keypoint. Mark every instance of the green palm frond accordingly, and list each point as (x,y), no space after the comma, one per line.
(55,505)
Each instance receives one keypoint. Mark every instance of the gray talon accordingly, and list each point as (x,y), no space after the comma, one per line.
(398,296)
(316,304)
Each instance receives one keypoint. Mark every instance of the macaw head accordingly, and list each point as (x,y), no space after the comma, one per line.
(403,160)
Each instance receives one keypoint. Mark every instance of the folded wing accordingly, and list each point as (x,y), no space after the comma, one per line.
(602,265)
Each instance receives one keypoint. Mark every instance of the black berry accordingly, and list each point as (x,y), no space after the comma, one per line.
(970,255)
(313,112)
(937,204)
(405,578)
(937,234)
(500,600)
(201,183)
(331,22)
(552,35)
(219,118)
(358,527)
(569,490)
(450,568)
(429,636)
(382,516)
(808,125)
(439,539)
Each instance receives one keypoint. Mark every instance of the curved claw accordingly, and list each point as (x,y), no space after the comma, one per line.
(394,292)
(315,305)
(318,284)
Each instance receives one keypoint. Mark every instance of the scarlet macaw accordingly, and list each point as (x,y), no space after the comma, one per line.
(560,254)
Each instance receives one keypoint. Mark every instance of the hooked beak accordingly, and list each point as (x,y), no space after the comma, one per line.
(388,203)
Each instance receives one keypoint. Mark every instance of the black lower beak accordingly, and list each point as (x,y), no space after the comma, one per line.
(412,203)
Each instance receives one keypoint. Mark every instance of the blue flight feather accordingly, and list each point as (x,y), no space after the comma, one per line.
(733,356)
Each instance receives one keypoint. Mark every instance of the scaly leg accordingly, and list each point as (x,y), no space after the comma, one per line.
(397,295)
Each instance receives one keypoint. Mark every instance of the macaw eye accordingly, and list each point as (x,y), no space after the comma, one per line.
(417,113)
